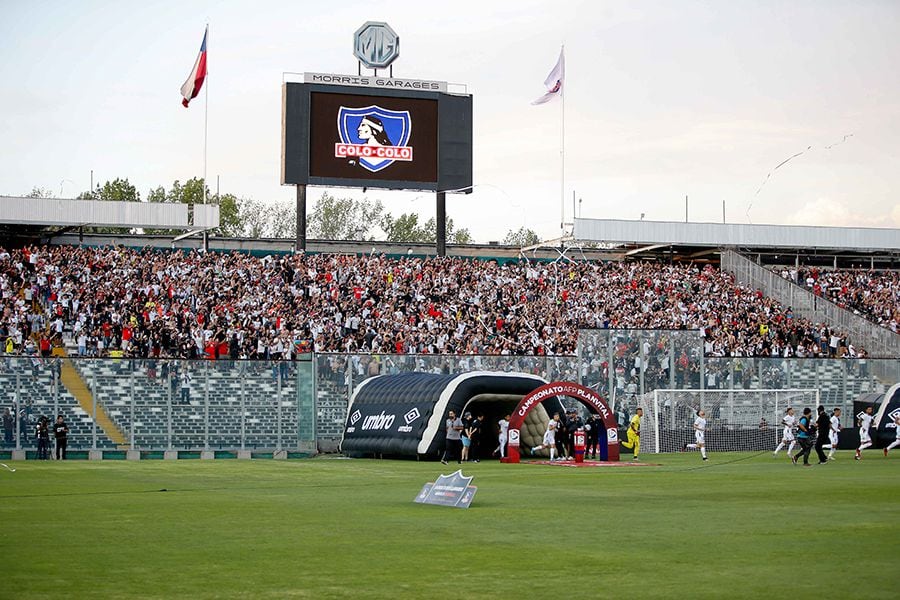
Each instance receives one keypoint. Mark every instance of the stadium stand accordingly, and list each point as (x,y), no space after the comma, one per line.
(874,295)
(115,301)
(33,381)
(623,328)
(198,413)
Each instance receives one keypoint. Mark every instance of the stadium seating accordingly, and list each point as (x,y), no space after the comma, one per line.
(874,295)
(116,388)
(674,325)
(33,382)
(194,305)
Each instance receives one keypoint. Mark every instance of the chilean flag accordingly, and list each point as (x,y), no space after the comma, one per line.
(194,82)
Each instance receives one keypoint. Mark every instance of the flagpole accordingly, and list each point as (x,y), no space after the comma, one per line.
(206,132)
(562,156)
(205,115)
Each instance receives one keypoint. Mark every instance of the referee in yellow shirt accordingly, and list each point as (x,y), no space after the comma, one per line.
(634,433)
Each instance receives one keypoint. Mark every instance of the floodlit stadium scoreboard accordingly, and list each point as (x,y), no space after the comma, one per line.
(364,131)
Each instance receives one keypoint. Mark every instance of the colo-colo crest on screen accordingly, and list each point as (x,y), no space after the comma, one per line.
(375,137)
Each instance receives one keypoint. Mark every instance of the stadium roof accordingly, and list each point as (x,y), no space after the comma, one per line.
(773,244)
(738,235)
(64,212)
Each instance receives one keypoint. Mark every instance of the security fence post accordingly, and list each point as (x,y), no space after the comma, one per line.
(278,409)
(93,410)
(243,415)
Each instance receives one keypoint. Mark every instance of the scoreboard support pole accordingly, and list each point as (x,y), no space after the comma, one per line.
(441,223)
(300,243)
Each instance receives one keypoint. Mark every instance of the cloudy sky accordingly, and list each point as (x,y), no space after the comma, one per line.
(664,99)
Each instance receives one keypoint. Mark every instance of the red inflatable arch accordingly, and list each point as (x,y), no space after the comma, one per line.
(585,395)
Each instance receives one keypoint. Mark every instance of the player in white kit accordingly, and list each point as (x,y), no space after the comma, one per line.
(896,442)
(865,441)
(833,432)
(503,436)
(549,440)
(699,435)
(789,421)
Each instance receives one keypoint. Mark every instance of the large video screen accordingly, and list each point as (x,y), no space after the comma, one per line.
(365,137)
(355,137)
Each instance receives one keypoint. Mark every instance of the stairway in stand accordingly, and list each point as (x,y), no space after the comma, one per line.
(76,386)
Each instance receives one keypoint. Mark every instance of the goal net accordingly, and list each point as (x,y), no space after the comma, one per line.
(736,420)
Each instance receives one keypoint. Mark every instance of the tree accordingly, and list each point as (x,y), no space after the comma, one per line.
(39,192)
(521,238)
(406,228)
(453,236)
(283,218)
(462,236)
(259,219)
(189,193)
(157,195)
(230,221)
(344,218)
(118,190)
(254,218)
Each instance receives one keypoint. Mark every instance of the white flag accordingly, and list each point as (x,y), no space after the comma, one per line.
(555,80)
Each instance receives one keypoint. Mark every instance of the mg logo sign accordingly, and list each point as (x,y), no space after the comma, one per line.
(376,45)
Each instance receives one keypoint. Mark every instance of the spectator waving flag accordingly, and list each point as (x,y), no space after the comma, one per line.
(194,82)
(555,80)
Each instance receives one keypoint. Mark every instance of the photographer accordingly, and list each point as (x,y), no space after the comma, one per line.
(61,432)
(42,433)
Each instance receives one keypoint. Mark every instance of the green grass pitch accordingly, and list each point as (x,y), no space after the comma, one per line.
(739,526)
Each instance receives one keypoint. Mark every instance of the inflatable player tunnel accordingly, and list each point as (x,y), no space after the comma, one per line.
(403,415)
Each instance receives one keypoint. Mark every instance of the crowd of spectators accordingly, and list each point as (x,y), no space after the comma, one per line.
(118,301)
(874,295)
